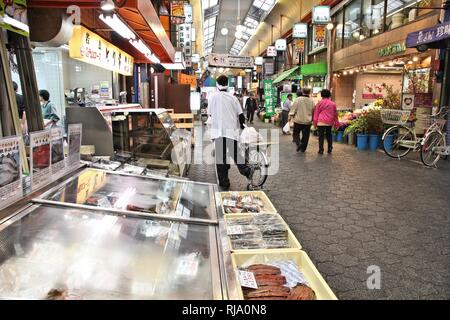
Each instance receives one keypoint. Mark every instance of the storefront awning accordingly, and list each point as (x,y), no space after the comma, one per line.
(314,69)
(285,75)
(433,37)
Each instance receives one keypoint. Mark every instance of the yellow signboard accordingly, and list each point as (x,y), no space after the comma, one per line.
(89,47)
(187,79)
(89,182)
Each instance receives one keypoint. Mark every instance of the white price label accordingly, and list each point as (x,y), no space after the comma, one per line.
(234,230)
(247,279)
(188,267)
(229,203)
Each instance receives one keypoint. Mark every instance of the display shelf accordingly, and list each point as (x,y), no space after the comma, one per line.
(302,260)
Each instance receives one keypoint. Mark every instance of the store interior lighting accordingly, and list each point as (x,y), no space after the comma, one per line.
(114,22)
(107,5)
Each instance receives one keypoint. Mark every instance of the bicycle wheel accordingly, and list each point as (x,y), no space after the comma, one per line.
(259,164)
(398,141)
(428,153)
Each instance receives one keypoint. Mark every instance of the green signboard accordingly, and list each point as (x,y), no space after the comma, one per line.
(269,98)
(13,16)
(393,49)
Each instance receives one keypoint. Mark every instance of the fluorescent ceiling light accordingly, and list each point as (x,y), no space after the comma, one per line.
(117,25)
(173,66)
(138,44)
(15,23)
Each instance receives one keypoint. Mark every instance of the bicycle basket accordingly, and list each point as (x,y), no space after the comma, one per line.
(427,121)
(395,117)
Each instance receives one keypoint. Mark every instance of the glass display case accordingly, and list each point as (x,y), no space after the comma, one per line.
(56,252)
(146,195)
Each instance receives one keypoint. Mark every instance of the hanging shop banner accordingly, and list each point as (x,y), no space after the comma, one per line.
(187,79)
(10,171)
(188,15)
(259,61)
(271,51)
(185,38)
(13,16)
(177,12)
(89,47)
(319,33)
(300,45)
(427,36)
(74,132)
(229,61)
(269,98)
(40,158)
(281,45)
(58,161)
(300,31)
(321,15)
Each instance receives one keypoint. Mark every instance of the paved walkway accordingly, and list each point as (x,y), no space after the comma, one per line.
(352,210)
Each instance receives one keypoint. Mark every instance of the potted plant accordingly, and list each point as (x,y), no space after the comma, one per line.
(374,127)
(359,127)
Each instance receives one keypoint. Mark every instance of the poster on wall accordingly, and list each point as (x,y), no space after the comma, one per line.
(373,91)
(10,171)
(58,161)
(40,158)
(407,101)
(423,100)
(319,33)
(74,132)
(13,16)
(104,90)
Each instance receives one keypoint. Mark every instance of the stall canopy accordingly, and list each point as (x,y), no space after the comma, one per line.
(314,69)
(140,15)
(434,37)
(286,75)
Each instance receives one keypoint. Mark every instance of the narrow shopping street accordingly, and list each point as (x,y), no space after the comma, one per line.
(352,209)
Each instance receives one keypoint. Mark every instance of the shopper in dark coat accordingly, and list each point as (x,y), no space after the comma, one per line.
(251,105)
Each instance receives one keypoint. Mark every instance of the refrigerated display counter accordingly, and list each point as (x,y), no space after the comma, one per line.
(147,138)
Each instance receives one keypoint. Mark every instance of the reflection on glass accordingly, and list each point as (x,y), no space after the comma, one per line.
(399,12)
(352,23)
(55,253)
(146,195)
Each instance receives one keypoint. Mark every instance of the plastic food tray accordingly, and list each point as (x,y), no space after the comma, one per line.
(292,240)
(304,263)
(268,206)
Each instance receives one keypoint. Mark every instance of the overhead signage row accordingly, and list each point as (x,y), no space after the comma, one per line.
(321,15)
(230,61)
(300,31)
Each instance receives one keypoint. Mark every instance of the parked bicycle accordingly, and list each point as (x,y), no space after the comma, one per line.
(434,145)
(257,160)
(401,138)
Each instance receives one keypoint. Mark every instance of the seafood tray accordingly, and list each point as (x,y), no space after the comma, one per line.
(271,287)
(238,202)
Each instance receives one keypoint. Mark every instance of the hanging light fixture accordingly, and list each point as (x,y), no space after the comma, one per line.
(330,26)
(117,25)
(238,35)
(107,5)
(224,31)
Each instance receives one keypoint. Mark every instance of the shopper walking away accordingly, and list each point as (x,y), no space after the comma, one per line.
(226,119)
(302,114)
(251,105)
(48,109)
(325,117)
(286,108)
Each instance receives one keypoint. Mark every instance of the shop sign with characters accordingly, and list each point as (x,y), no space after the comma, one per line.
(393,49)
(89,47)
(373,91)
(13,16)
(269,98)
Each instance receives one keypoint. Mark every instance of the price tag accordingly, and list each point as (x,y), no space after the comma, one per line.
(229,203)
(247,279)
(234,230)
(188,266)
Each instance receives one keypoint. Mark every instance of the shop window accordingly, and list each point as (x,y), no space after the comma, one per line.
(352,23)
(339,23)
(373,16)
(399,12)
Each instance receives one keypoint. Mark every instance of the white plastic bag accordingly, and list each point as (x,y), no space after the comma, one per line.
(287,127)
(249,135)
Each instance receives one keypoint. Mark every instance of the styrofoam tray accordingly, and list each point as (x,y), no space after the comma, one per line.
(292,240)
(268,206)
(304,263)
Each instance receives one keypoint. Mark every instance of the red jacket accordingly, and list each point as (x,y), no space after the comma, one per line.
(325,111)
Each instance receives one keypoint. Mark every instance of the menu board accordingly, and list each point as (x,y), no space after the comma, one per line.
(58,160)
(10,171)
(74,132)
(269,98)
(40,158)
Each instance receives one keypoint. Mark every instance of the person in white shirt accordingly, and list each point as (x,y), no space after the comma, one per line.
(227,118)
(286,108)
